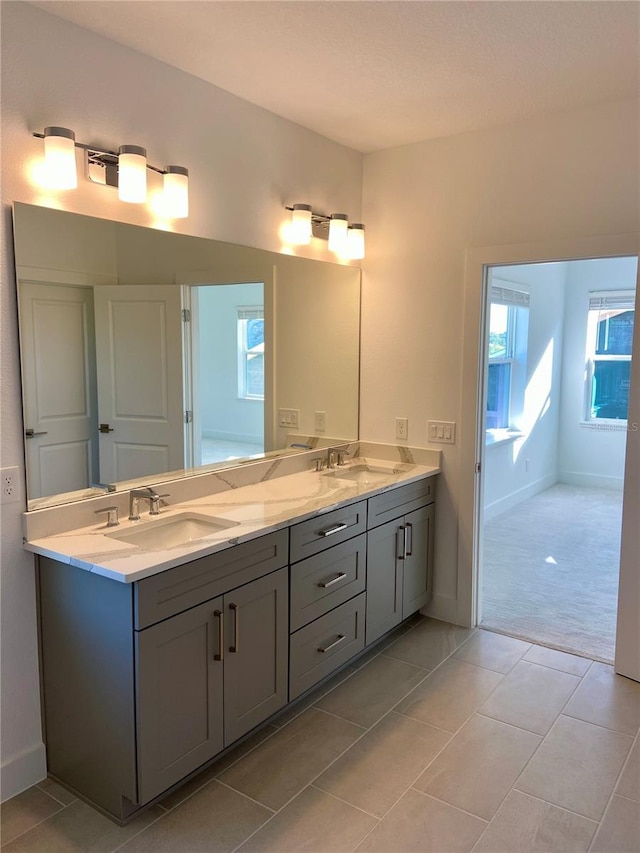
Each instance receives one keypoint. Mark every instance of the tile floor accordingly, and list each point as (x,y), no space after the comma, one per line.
(443,740)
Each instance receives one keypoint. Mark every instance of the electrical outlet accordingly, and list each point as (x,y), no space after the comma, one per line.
(10,481)
(442,432)
(402,429)
(320,421)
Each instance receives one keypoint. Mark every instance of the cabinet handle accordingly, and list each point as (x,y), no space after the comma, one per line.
(338,577)
(408,530)
(335,643)
(331,530)
(236,627)
(220,617)
(401,542)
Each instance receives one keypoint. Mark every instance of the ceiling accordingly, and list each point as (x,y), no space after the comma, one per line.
(373,74)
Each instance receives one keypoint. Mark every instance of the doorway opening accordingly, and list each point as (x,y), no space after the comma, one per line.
(225,372)
(556,377)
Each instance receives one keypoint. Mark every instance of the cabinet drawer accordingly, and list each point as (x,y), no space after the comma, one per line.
(327,530)
(175,590)
(322,582)
(397,502)
(324,645)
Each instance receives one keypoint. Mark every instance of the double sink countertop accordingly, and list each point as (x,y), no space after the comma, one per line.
(226,518)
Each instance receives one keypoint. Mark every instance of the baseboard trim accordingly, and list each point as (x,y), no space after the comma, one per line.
(493,510)
(22,771)
(442,607)
(595,481)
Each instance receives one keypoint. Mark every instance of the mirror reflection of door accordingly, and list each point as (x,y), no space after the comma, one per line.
(139,370)
(58,355)
(227,346)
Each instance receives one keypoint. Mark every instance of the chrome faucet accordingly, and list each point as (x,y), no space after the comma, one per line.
(135,495)
(335,456)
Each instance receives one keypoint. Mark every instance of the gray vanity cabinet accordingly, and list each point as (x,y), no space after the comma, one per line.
(206,677)
(179,697)
(399,556)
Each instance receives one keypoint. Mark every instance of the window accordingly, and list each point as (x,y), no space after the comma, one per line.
(503,320)
(609,342)
(251,353)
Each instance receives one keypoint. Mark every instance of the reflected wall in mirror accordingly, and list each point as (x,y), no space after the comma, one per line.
(146,353)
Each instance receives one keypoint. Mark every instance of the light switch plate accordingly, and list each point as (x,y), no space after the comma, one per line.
(441,432)
(289,418)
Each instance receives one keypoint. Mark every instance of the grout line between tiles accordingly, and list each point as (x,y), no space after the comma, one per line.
(597,725)
(136,834)
(346,802)
(615,785)
(40,822)
(53,797)
(247,797)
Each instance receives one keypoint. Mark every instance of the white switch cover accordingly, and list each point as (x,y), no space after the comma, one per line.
(289,418)
(320,421)
(442,432)
(402,429)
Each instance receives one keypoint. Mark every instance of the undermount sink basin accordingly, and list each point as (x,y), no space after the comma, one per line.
(363,474)
(164,533)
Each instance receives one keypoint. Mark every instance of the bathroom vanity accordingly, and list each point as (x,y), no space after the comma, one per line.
(157,659)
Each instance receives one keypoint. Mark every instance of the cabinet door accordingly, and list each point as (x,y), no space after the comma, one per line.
(384,579)
(256,658)
(416,575)
(179,697)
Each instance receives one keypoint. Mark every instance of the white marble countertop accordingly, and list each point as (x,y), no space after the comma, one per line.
(256,509)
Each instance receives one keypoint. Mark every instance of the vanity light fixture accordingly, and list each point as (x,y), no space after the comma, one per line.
(60,158)
(344,239)
(125,169)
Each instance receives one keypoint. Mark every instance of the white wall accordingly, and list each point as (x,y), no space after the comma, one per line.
(245,164)
(590,454)
(428,208)
(520,469)
(223,414)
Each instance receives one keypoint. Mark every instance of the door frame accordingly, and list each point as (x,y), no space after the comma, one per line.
(477,262)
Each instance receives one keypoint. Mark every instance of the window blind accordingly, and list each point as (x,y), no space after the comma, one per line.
(250,313)
(508,296)
(611,300)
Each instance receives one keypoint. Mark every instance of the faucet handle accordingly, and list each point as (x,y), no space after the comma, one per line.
(154,501)
(112,517)
(319,464)
(341,454)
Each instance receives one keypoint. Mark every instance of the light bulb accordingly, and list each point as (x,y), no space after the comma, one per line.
(355,241)
(300,233)
(60,158)
(132,174)
(338,223)
(176,192)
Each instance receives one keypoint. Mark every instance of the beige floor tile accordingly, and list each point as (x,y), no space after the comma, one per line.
(576,767)
(629,784)
(450,695)
(419,823)
(620,830)
(24,811)
(199,781)
(215,819)
(377,770)
(372,691)
(607,699)
(313,697)
(523,824)
(56,791)
(77,829)
(313,822)
(573,664)
(429,643)
(530,697)
(479,766)
(285,763)
(492,651)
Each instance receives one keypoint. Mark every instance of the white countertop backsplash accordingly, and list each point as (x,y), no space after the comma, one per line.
(259,497)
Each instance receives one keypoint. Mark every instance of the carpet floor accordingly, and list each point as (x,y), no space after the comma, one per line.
(551,567)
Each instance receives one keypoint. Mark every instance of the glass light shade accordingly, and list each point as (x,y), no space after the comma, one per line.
(338,224)
(355,241)
(132,174)
(60,158)
(300,233)
(176,192)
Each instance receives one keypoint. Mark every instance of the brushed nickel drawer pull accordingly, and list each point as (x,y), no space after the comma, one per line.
(331,530)
(236,628)
(401,542)
(409,529)
(339,577)
(220,617)
(335,643)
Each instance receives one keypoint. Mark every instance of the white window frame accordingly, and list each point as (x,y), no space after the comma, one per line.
(244,313)
(513,299)
(623,300)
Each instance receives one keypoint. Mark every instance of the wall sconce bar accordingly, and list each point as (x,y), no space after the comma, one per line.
(344,239)
(124,169)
